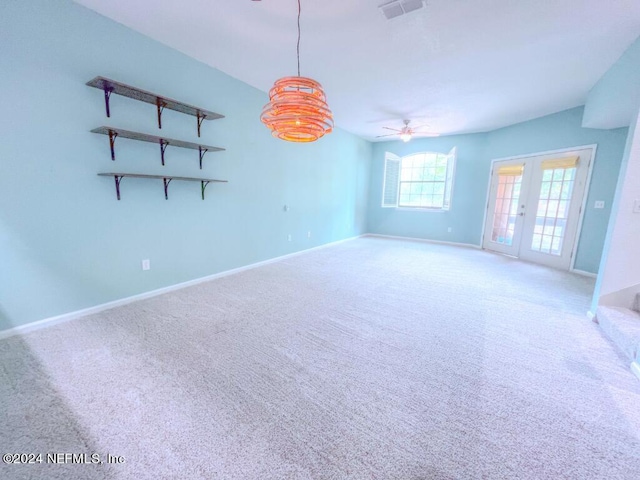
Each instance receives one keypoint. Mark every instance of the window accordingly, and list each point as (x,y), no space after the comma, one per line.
(420,180)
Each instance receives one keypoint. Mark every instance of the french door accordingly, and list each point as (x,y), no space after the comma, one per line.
(535,204)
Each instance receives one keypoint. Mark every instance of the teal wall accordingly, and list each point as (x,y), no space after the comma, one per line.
(466,212)
(563,130)
(614,99)
(66,243)
(557,131)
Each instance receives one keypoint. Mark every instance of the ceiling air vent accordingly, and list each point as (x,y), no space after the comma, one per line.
(400,7)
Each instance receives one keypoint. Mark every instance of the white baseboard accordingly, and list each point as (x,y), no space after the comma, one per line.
(625,297)
(458,244)
(425,240)
(635,368)
(51,321)
(584,274)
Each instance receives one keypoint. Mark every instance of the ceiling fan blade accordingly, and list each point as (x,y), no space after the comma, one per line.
(425,134)
(394,129)
(390,135)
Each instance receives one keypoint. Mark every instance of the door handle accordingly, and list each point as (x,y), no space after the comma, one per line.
(521,214)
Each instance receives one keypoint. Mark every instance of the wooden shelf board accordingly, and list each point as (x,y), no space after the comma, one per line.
(154,139)
(160,177)
(142,95)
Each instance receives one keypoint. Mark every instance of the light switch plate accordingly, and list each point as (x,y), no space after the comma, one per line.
(599,204)
(636,206)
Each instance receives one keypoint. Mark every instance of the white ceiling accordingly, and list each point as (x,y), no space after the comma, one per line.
(458,65)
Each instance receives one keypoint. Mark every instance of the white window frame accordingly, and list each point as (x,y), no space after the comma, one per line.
(393,174)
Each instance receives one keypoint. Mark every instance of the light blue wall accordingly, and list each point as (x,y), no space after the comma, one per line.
(66,243)
(561,130)
(615,99)
(466,213)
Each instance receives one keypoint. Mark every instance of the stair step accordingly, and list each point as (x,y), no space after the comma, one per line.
(622,327)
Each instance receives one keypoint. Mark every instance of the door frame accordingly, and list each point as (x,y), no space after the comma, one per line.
(583,205)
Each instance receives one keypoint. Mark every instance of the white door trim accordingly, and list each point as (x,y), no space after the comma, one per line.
(547,152)
(583,206)
(583,209)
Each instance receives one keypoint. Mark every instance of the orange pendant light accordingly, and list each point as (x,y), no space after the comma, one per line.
(297,110)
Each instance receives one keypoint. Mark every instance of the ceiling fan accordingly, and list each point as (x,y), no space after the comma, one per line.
(407,132)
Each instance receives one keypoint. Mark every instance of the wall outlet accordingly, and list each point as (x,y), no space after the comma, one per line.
(289,237)
(599,204)
(636,206)
(309,234)
(146,264)
(449,229)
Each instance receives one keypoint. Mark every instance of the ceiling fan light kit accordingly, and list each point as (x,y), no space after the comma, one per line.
(297,110)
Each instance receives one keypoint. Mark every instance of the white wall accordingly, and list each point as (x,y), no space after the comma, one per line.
(620,269)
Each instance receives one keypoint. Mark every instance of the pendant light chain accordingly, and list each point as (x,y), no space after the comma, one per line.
(298,48)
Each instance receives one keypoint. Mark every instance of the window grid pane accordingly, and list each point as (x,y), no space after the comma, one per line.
(506,209)
(553,209)
(423,181)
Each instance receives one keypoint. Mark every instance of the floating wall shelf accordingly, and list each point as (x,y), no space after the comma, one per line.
(113,133)
(111,86)
(166,180)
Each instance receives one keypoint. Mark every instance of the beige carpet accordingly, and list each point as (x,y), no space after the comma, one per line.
(372,359)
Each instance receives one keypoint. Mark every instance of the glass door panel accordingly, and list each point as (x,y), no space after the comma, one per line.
(504,217)
(553,209)
(506,209)
(557,191)
(534,206)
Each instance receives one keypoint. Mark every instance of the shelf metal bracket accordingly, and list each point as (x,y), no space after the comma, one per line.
(118,179)
(166,182)
(107,95)
(200,118)
(112,141)
(202,152)
(160,104)
(163,147)
(203,186)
